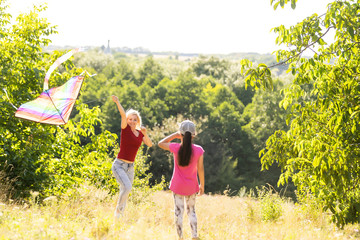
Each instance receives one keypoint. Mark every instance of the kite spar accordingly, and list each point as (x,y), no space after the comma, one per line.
(54,105)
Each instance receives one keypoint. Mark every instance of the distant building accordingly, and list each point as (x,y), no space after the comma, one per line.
(108,50)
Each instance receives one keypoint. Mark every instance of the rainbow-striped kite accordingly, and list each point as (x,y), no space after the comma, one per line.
(54,105)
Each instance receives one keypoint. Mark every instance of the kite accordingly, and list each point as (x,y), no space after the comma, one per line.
(54,105)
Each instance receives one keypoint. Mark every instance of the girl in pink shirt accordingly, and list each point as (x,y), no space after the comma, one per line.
(188,163)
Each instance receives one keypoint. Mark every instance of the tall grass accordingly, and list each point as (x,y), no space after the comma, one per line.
(89,215)
(6,189)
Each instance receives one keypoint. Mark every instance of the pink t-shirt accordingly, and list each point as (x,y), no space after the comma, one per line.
(184,180)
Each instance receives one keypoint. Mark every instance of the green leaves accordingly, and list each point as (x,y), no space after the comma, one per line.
(256,77)
(79,155)
(282,3)
(321,150)
(22,69)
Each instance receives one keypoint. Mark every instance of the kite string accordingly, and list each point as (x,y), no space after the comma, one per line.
(9,99)
(98,99)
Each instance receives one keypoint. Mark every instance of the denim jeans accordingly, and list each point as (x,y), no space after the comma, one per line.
(124,174)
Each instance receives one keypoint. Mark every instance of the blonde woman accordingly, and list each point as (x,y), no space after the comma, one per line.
(131,137)
(188,163)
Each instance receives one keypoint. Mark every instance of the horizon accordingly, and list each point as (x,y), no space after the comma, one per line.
(145,50)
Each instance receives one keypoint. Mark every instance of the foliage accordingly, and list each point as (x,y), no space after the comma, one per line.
(214,101)
(141,188)
(6,187)
(320,152)
(266,205)
(150,71)
(265,116)
(22,66)
(53,160)
(212,66)
(71,163)
(310,208)
(75,161)
(46,159)
(270,204)
(214,106)
(235,81)
(283,3)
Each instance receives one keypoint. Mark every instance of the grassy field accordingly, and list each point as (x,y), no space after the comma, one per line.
(89,215)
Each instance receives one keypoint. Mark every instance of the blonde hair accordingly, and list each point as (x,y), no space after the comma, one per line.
(134,112)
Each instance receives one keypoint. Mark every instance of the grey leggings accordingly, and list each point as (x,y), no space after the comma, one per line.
(179,212)
(124,174)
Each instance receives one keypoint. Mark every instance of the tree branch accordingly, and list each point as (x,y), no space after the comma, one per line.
(299,53)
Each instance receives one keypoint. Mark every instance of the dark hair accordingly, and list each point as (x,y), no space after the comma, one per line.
(185,150)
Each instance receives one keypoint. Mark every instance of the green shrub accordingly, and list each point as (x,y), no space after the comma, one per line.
(270,204)
(310,208)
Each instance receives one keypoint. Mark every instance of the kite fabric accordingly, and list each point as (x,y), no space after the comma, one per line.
(54,105)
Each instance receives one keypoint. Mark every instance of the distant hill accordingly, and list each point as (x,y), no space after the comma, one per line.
(140,50)
(257,58)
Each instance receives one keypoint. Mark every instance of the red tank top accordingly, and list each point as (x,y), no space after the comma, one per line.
(129,144)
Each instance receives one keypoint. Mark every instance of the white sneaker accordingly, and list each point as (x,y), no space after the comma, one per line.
(117,214)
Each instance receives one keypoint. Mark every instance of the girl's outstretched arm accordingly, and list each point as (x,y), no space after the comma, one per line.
(164,143)
(121,110)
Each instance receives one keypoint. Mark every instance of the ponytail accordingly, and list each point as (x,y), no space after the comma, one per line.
(185,150)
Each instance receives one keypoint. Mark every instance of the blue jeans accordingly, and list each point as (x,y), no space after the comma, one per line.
(124,174)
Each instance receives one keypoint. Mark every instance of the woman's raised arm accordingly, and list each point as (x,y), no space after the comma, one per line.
(121,110)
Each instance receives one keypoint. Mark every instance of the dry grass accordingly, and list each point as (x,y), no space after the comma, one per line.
(89,215)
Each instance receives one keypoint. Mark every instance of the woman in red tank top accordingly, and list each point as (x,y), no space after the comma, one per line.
(131,137)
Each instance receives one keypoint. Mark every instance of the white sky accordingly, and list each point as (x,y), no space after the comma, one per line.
(186,26)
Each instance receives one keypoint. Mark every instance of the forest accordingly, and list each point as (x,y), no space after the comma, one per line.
(232,120)
(289,121)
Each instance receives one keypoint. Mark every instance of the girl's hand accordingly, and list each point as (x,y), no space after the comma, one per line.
(143,130)
(201,190)
(115,98)
(146,138)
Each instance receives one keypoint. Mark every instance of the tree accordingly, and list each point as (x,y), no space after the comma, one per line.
(264,116)
(235,81)
(183,96)
(321,151)
(72,161)
(150,68)
(22,67)
(95,59)
(38,157)
(210,67)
